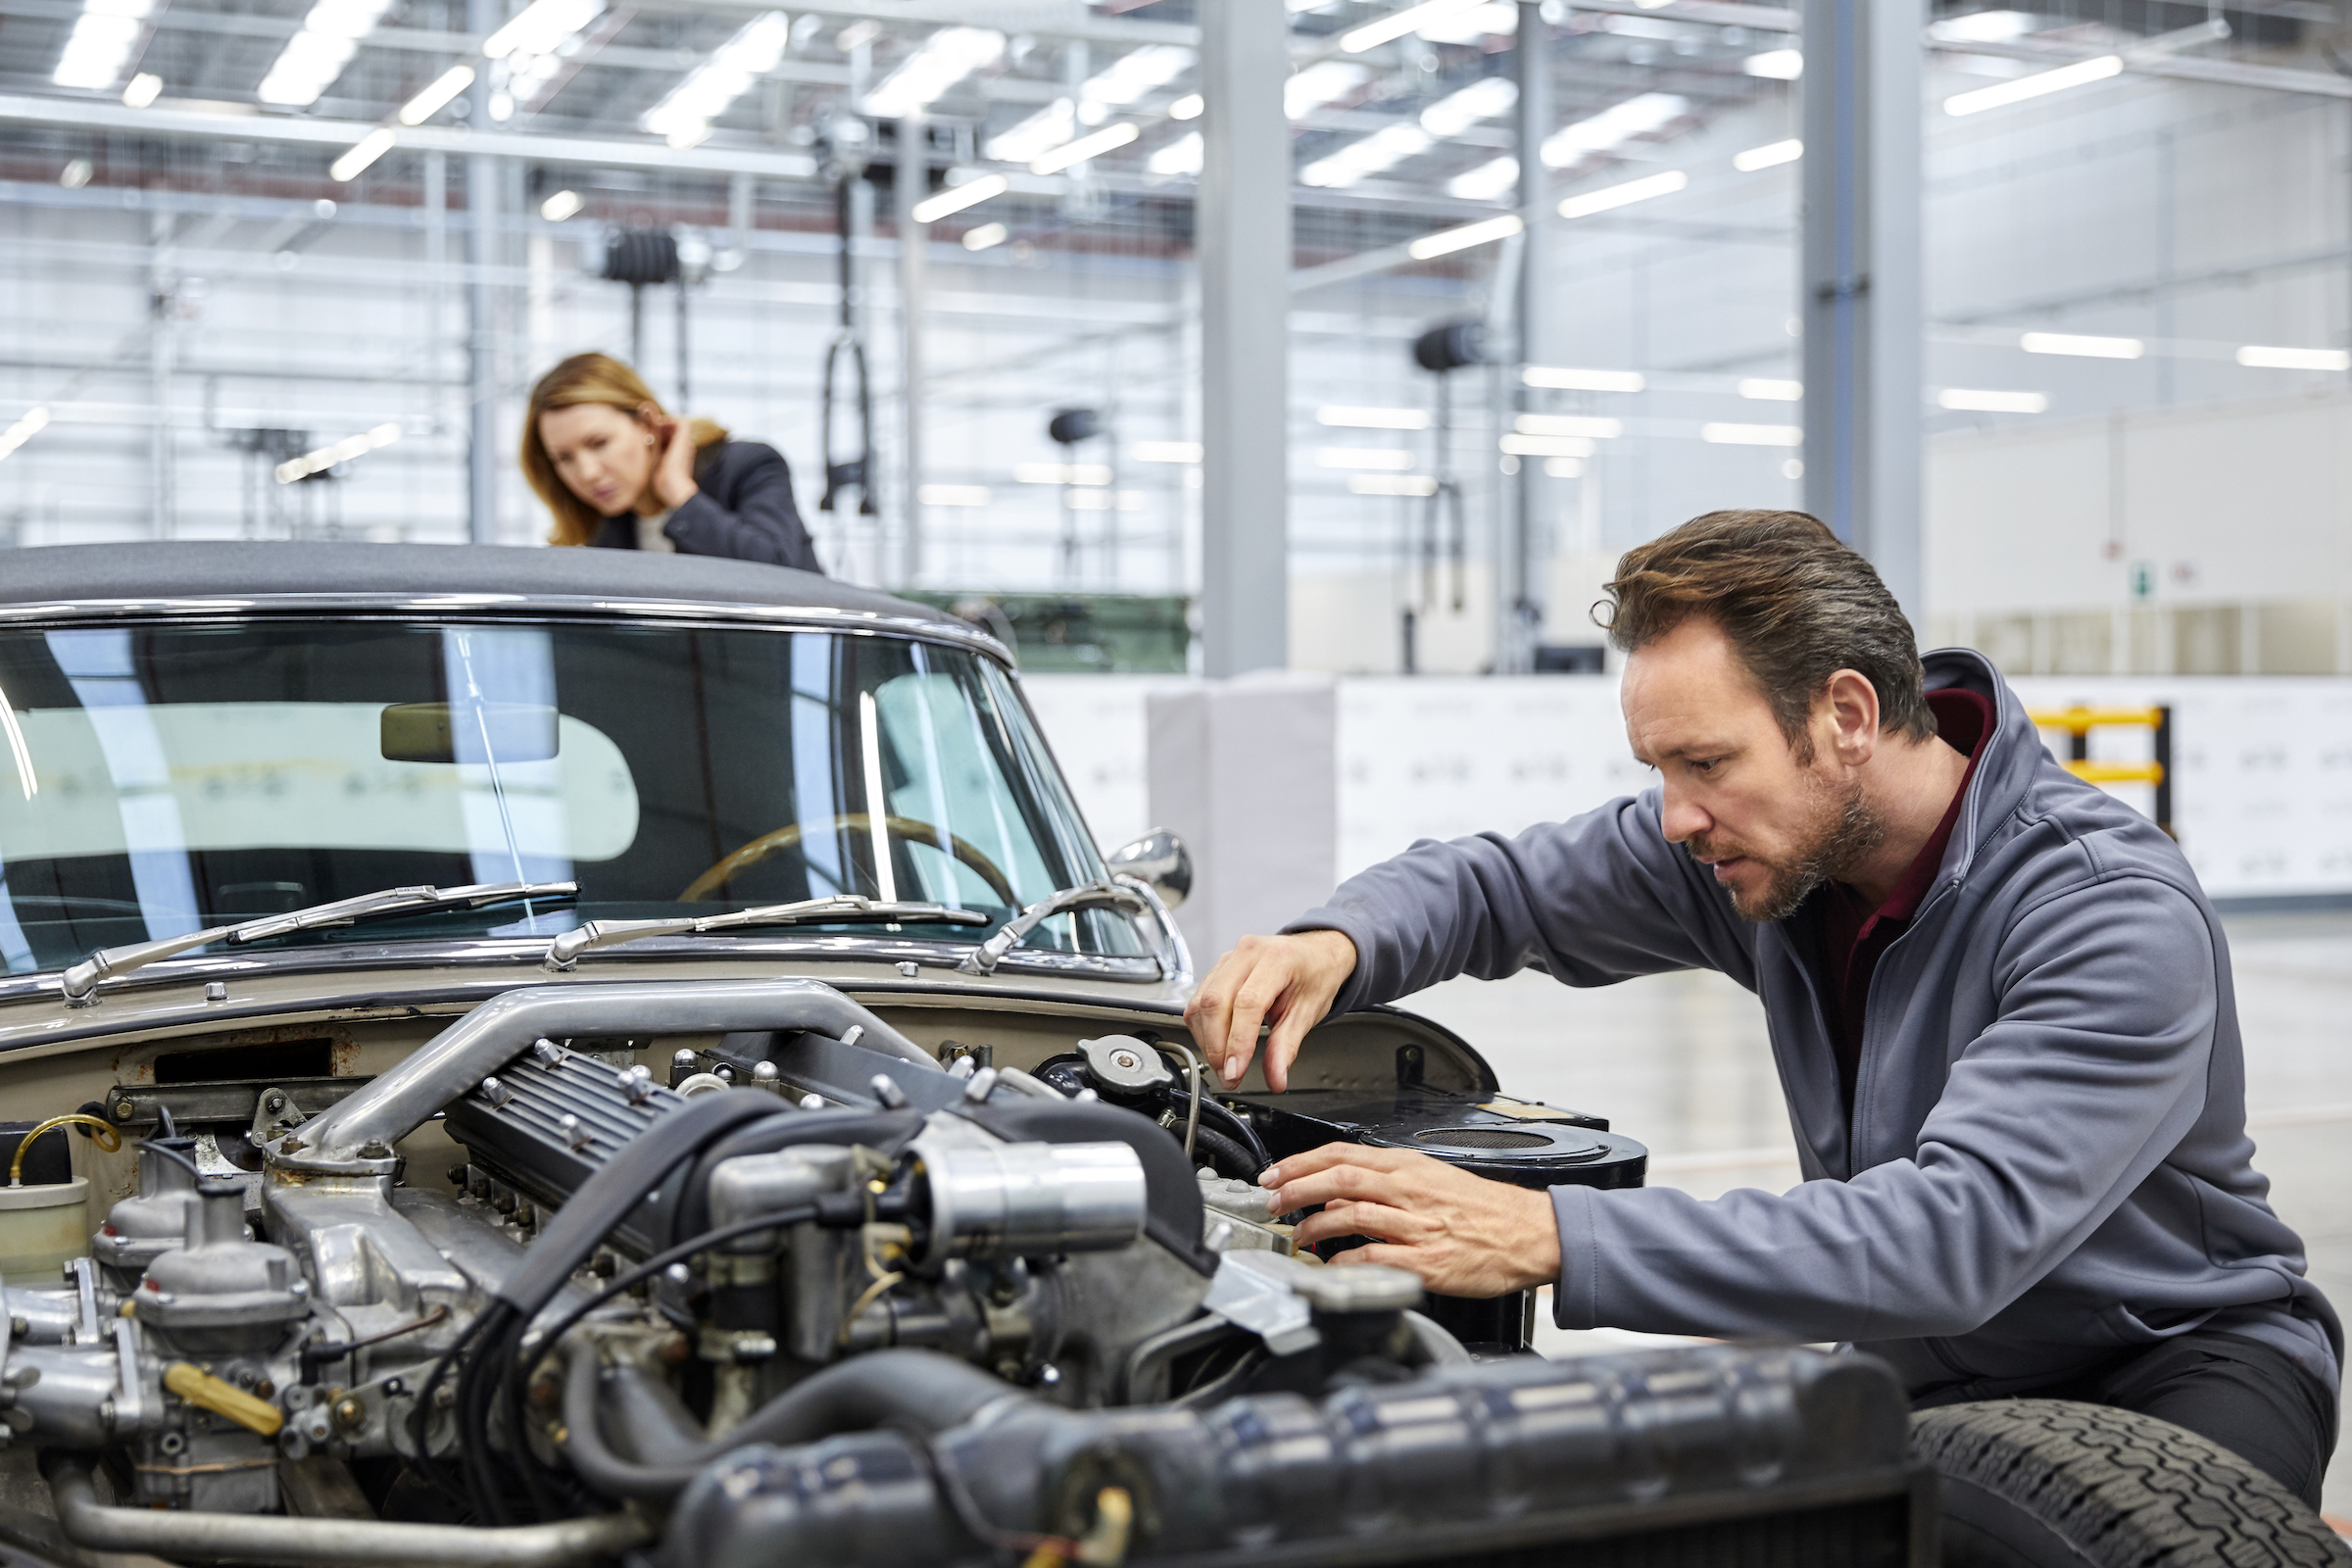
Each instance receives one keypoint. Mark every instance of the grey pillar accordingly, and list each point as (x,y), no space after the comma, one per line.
(481,307)
(1243,240)
(913,183)
(1862,300)
(1521,576)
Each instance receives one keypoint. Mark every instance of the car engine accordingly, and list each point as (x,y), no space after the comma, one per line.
(810,1296)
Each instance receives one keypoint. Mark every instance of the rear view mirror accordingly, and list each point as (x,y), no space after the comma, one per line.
(488,732)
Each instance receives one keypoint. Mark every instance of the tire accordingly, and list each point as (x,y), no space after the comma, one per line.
(2054,1483)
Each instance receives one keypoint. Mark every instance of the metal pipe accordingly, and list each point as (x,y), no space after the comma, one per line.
(501,1029)
(1525,607)
(914,239)
(250,1538)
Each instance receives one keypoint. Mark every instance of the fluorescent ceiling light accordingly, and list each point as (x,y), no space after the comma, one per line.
(540,26)
(988,237)
(100,45)
(1589,427)
(1032,137)
(1769,156)
(1383,148)
(1164,451)
(1187,107)
(1346,417)
(1103,500)
(2082,347)
(142,91)
(1493,19)
(938,63)
(316,56)
(952,494)
(2276,359)
(1752,435)
(1982,27)
(1564,467)
(955,198)
(1391,485)
(1612,128)
(30,424)
(442,89)
(325,458)
(1489,181)
(1392,458)
(1564,379)
(1392,145)
(1446,241)
(1610,197)
(1769,389)
(2040,85)
(1396,23)
(683,117)
(563,205)
(1133,74)
(1325,81)
(1776,64)
(1517,445)
(1071,154)
(365,151)
(1974,400)
(1091,473)
(1183,155)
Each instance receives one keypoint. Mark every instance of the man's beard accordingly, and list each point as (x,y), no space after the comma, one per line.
(1841,832)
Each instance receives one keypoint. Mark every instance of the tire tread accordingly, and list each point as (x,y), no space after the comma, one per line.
(2127,1490)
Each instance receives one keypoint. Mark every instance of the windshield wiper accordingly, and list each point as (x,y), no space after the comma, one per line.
(81,980)
(566,949)
(1123,893)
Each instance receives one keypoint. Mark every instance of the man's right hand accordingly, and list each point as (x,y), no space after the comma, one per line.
(1287,981)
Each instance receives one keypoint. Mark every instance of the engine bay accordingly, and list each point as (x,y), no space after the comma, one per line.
(739,1272)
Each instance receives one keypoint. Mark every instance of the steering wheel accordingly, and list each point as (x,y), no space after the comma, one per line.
(906,827)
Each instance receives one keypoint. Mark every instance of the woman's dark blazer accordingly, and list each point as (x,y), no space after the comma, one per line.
(744,508)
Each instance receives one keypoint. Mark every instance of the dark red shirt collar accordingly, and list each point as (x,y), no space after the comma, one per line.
(1853,934)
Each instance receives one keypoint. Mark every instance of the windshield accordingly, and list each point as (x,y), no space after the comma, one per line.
(159,780)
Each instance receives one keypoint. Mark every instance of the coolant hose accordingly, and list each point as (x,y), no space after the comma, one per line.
(917,1388)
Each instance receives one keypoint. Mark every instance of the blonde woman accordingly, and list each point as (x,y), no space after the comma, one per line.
(622,475)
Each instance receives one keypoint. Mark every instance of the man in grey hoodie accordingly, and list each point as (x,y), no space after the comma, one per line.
(2000,1006)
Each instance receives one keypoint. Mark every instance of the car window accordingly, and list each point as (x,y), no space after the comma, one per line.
(162,779)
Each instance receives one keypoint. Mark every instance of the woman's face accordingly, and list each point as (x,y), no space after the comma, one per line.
(602,456)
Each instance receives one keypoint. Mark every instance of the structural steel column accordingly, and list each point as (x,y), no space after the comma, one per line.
(481,309)
(1523,573)
(913,185)
(1242,241)
(1862,300)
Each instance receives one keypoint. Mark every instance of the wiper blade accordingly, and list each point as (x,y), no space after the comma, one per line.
(81,980)
(1125,894)
(564,951)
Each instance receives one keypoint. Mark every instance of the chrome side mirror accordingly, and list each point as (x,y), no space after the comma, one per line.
(1159,860)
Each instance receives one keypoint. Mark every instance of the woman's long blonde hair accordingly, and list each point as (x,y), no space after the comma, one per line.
(587,378)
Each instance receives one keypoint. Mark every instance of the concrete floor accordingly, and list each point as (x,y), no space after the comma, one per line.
(1681,1062)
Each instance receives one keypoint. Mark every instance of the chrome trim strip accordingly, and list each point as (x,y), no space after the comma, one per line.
(527,951)
(445,606)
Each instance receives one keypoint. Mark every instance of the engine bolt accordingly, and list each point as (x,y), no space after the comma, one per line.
(349,1411)
(274,1100)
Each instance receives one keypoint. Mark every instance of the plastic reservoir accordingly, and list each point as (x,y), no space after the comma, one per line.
(40,1227)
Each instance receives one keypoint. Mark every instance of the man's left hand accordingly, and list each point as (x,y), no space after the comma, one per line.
(1463,1234)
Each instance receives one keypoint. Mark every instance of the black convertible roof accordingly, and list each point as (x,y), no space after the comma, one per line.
(231,569)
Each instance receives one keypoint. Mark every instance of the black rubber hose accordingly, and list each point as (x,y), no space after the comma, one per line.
(1227,1156)
(923,1389)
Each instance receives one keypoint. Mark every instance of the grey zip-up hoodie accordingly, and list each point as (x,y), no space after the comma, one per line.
(2047,1162)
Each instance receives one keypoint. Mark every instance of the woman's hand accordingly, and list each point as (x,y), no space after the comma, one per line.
(673,483)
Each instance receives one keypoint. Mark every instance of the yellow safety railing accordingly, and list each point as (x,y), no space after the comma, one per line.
(2078,721)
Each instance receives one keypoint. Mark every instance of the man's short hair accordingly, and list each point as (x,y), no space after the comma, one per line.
(1797,605)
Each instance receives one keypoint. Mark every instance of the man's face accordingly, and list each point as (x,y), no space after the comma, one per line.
(1738,798)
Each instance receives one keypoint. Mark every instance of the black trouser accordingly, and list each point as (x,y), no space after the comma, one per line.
(2238,1392)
